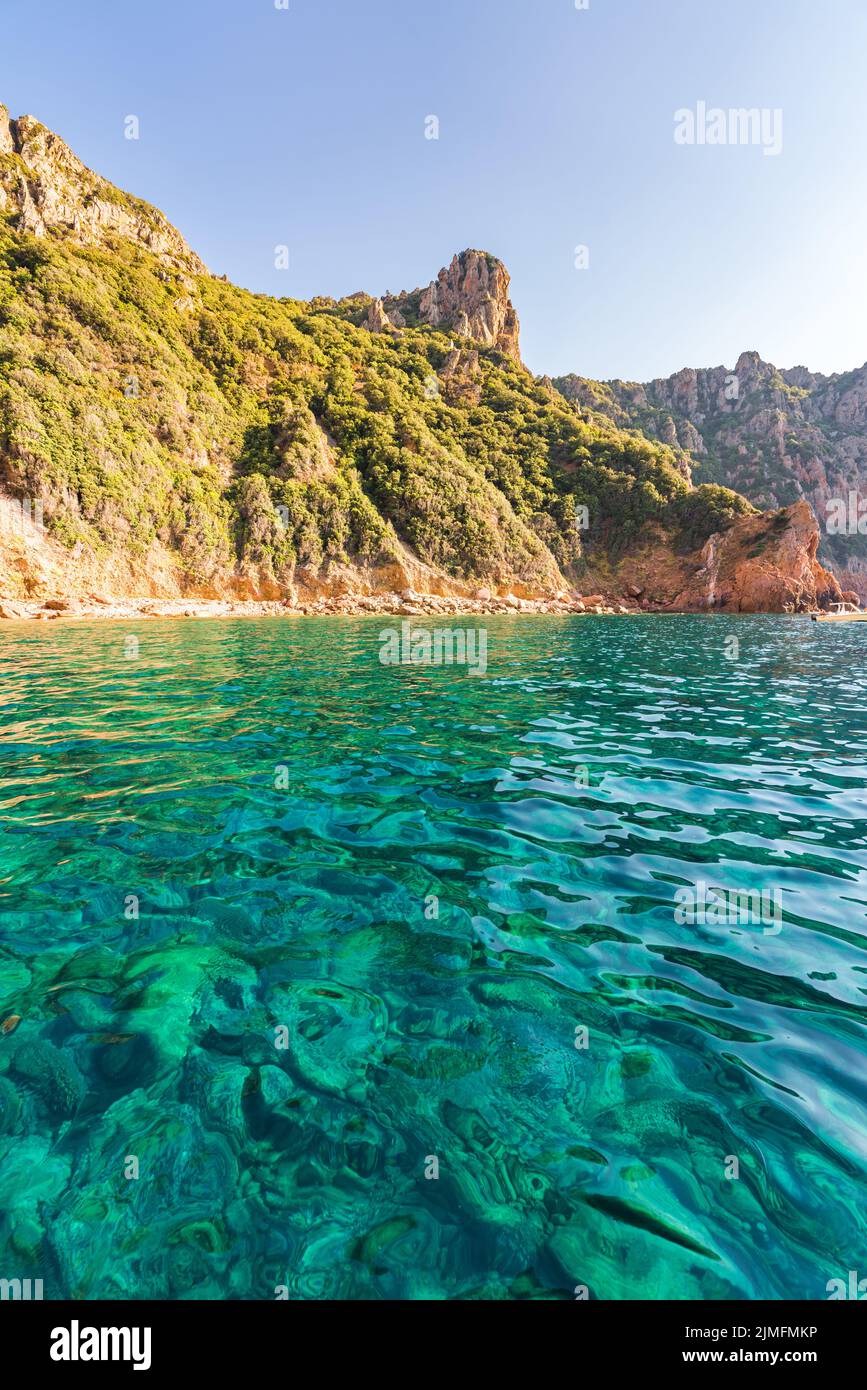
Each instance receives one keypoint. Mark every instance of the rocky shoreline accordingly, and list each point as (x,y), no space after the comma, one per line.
(406,604)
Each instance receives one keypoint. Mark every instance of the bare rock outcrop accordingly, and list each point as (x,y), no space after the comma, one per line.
(470,298)
(763,564)
(55,193)
(377,320)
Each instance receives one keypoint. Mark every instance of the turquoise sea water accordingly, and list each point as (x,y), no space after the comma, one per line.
(254,833)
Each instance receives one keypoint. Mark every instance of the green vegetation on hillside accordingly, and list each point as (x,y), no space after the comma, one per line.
(236,429)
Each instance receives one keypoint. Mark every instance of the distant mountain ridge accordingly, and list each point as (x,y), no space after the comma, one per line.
(773,435)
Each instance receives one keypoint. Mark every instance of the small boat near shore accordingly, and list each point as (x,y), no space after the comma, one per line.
(840,613)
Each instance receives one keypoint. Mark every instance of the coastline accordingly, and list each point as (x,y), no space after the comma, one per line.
(351,606)
(756,566)
(409,604)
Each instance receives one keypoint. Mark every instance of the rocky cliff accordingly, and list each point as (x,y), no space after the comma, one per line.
(775,436)
(46,187)
(764,563)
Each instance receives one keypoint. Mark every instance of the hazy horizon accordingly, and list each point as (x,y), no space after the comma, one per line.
(308,127)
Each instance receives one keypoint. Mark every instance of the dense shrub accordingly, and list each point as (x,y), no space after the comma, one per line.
(231,426)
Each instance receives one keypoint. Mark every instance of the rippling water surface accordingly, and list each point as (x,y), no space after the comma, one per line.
(256,834)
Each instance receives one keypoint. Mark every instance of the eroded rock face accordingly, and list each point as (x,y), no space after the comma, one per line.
(54,192)
(763,564)
(377,320)
(469,298)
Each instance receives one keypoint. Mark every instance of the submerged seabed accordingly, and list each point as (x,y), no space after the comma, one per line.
(252,826)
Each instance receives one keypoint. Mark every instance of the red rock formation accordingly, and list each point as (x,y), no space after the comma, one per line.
(763,564)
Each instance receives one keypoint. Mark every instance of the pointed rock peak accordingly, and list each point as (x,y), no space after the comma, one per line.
(54,193)
(377,320)
(470,297)
(7,139)
(750,365)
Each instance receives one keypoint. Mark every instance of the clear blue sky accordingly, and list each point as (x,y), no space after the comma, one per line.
(306,127)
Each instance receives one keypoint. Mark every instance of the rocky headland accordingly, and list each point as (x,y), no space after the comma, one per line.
(172,445)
